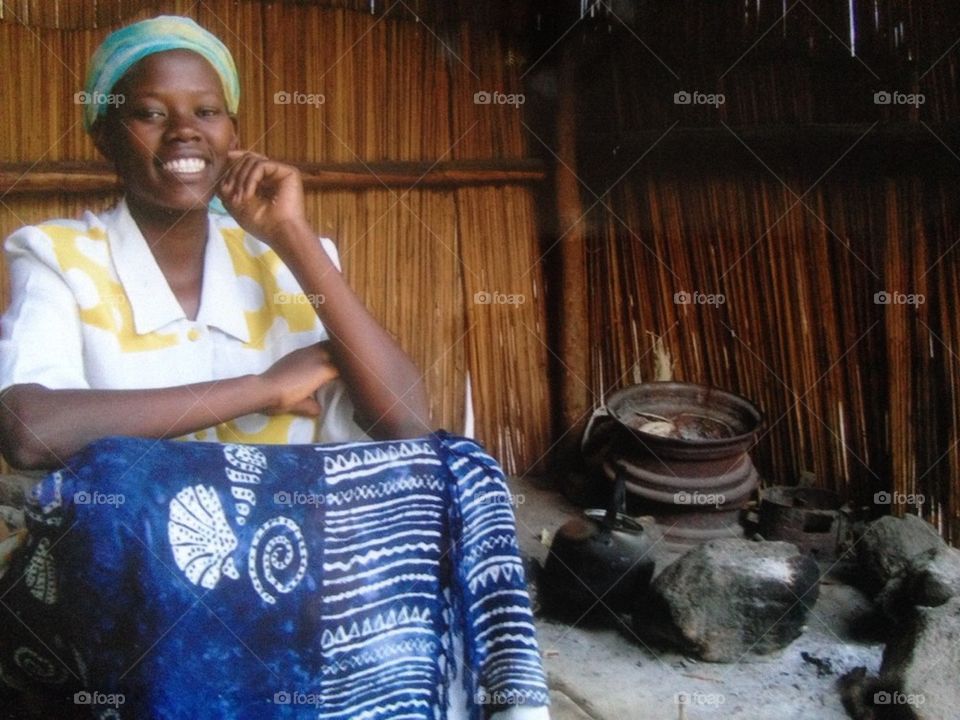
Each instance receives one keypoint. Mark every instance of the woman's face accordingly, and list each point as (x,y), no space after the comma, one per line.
(169,138)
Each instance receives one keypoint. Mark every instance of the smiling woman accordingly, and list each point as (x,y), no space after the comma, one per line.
(173,319)
(172,136)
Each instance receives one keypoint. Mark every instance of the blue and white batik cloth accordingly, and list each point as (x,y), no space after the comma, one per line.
(204,581)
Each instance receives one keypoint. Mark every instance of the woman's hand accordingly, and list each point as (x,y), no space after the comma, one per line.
(295,378)
(264,196)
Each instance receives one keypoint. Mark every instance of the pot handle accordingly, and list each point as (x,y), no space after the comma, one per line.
(595,417)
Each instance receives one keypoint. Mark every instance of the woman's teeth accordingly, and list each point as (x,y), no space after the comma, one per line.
(185,165)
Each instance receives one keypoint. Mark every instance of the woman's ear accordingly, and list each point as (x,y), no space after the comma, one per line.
(235,143)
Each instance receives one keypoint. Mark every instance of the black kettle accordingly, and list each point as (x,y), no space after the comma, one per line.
(598,564)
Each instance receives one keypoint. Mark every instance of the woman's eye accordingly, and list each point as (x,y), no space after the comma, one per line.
(147,114)
(208,112)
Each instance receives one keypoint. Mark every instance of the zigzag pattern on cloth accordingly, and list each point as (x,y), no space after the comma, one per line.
(503,636)
(459,521)
(388,520)
(376,491)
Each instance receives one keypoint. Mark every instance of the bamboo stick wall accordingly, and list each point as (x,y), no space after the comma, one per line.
(862,394)
(393,90)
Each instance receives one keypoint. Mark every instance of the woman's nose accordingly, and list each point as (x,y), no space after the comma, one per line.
(181,126)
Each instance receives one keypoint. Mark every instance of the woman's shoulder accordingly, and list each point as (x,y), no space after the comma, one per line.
(238,240)
(56,235)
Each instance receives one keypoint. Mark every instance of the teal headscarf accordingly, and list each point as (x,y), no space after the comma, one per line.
(128,45)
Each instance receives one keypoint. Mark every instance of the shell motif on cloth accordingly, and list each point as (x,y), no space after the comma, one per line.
(41,575)
(200,536)
(39,667)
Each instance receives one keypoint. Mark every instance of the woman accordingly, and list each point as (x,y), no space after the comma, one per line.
(174,143)
(172,320)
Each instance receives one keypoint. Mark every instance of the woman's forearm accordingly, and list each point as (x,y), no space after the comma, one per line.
(41,428)
(386,387)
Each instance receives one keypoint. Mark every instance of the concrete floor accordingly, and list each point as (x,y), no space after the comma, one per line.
(609,674)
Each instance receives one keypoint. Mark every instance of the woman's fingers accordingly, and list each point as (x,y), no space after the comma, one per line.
(263,195)
(298,376)
(308,407)
(235,183)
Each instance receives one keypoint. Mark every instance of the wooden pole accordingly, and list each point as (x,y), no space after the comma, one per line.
(87,177)
(573,331)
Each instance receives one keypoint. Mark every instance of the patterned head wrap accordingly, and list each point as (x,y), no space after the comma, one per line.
(128,45)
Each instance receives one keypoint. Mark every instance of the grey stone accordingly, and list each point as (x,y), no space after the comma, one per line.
(934,576)
(923,663)
(730,598)
(928,580)
(887,545)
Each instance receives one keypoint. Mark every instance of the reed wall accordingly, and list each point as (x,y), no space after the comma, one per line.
(796,200)
(393,90)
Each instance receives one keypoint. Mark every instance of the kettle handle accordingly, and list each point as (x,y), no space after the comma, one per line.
(617,500)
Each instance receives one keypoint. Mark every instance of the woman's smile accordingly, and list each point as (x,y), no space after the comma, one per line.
(188,168)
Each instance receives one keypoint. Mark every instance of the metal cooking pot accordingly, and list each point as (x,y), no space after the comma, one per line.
(696,478)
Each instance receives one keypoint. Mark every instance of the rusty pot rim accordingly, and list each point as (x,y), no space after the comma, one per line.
(738,402)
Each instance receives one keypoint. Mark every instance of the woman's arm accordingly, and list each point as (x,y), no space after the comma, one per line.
(41,428)
(387,389)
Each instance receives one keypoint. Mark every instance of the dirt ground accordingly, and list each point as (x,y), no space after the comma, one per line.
(607,673)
